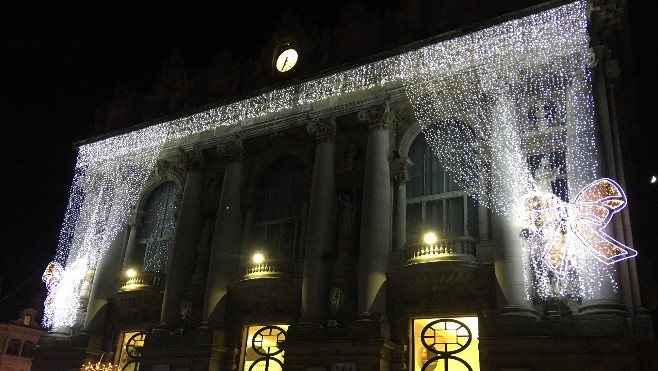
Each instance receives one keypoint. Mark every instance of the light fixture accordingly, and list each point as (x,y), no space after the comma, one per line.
(653,179)
(258,258)
(430,238)
(130,273)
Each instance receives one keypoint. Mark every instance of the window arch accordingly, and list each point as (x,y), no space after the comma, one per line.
(13,347)
(158,225)
(434,201)
(28,349)
(277,222)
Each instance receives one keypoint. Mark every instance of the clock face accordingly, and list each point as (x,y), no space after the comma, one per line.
(286,60)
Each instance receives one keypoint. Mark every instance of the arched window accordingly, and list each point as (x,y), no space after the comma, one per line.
(28,349)
(434,201)
(158,225)
(13,347)
(277,223)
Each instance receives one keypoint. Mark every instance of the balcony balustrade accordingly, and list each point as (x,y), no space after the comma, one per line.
(271,268)
(446,249)
(142,281)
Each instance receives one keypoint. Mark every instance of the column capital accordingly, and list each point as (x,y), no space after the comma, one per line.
(323,129)
(377,116)
(135,218)
(400,169)
(191,159)
(231,149)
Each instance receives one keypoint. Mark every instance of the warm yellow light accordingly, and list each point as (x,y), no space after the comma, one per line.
(430,238)
(130,273)
(286,60)
(258,258)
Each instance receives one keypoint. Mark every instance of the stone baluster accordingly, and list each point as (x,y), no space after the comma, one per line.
(225,248)
(376,213)
(186,238)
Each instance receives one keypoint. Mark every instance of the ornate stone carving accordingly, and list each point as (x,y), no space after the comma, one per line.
(324,129)
(166,170)
(400,169)
(191,159)
(231,150)
(403,120)
(377,116)
(612,69)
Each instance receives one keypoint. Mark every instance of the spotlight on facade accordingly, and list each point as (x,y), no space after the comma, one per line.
(130,273)
(258,258)
(430,238)
(653,179)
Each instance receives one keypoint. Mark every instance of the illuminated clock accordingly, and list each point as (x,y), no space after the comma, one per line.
(286,60)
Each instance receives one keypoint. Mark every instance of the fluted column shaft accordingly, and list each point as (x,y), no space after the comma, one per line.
(320,230)
(376,215)
(225,248)
(186,238)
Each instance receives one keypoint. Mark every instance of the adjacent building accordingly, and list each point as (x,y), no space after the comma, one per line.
(455,204)
(19,340)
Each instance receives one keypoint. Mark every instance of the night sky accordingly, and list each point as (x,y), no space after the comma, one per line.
(60,60)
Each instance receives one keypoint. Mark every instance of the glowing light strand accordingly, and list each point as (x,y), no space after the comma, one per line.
(110,174)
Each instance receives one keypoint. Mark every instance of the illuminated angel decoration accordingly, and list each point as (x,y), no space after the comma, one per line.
(567,225)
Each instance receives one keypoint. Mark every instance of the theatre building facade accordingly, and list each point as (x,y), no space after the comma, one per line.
(457,204)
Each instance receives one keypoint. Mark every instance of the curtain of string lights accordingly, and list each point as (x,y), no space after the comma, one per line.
(522,87)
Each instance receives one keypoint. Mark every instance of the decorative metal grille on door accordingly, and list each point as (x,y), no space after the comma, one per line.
(446,344)
(262,351)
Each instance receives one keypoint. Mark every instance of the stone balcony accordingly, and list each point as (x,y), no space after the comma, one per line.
(141,281)
(271,268)
(447,249)
(139,298)
(266,290)
(447,262)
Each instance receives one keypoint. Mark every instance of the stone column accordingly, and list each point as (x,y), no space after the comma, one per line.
(130,256)
(186,238)
(604,300)
(375,214)
(321,229)
(225,248)
(400,172)
(108,270)
(508,246)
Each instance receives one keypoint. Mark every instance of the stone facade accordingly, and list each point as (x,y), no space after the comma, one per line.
(299,226)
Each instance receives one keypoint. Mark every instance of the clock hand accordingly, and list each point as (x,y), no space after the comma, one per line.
(284,63)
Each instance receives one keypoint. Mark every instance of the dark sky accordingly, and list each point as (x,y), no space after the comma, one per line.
(60,60)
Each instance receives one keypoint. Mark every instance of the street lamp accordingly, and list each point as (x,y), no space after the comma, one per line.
(430,238)
(258,258)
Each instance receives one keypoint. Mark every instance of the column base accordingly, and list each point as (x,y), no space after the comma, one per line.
(60,332)
(518,311)
(603,307)
(368,318)
(309,322)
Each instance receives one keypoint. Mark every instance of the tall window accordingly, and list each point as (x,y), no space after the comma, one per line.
(13,347)
(278,215)
(434,201)
(28,349)
(158,225)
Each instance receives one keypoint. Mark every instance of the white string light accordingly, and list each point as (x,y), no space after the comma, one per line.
(500,71)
